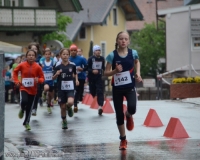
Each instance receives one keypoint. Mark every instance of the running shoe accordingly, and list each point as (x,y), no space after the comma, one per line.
(129,123)
(123,145)
(100,111)
(21,114)
(75,109)
(27,126)
(34,112)
(70,112)
(64,125)
(49,110)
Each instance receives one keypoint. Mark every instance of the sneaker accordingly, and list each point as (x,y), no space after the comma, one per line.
(75,109)
(129,123)
(34,112)
(27,126)
(21,114)
(49,110)
(123,145)
(70,112)
(64,125)
(100,111)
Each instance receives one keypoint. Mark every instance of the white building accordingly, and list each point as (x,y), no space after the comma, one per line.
(180,45)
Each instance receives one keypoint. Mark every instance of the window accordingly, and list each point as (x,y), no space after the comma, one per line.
(21,3)
(103,49)
(13,3)
(7,3)
(196,42)
(115,16)
(82,33)
(0,2)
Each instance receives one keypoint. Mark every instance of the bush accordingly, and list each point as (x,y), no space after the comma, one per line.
(186,80)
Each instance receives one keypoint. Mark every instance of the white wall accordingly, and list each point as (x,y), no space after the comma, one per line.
(31,3)
(177,27)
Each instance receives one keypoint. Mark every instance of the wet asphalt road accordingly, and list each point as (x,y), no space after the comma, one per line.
(90,136)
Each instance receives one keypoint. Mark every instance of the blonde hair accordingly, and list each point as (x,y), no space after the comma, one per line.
(116,45)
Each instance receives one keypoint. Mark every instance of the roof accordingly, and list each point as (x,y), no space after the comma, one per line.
(7,47)
(177,10)
(62,5)
(96,11)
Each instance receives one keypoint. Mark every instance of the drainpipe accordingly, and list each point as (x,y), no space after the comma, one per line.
(2,105)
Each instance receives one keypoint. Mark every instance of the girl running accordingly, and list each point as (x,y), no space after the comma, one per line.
(65,74)
(123,62)
(31,75)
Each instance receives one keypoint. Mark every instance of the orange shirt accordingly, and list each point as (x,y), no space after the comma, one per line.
(28,73)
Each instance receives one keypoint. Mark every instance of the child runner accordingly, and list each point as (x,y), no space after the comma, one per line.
(81,67)
(7,83)
(65,74)
(123,62)
(47,67)
(31,75)
(96,67)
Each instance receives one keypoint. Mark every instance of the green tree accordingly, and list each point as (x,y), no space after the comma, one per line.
(63,21)
(150,44)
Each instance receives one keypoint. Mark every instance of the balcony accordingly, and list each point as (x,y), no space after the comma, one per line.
(27,19)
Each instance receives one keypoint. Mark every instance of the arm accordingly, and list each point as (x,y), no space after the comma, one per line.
(15,75)
(41,75)
(137,75)
(89,65)
(107,71)
(57,72)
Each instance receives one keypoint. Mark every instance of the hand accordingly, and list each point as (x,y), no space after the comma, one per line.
(77,83)
(58,72)
(118,68)
(17,84)
(95,71)
(138,77)
(79,69)
(36,79)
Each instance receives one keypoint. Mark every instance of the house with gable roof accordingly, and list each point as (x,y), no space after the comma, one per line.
(99,23)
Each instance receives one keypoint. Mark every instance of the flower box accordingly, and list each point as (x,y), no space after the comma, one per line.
(184,90)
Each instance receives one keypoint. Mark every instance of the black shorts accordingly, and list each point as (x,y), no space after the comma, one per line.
(51,88)
(64,95)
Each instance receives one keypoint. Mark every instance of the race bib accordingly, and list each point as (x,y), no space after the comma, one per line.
(7,78)
(77,70)
(48,76)
(28,82)
(122,78)
(96,65)
(67,85)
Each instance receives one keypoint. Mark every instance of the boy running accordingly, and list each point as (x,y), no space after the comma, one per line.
(65,74)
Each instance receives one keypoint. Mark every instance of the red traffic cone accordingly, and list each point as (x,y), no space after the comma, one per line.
(85,98)
(94,104)
(89,100)
(107,108)
(152,119)
(175,129)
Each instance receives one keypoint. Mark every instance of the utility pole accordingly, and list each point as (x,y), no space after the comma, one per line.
(2,104)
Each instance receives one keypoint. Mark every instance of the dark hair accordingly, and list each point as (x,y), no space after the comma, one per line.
(46,50)
(34,44)
(31,50)
(116,45)
(61,51)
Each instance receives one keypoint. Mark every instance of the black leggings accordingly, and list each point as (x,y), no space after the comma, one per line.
(96,89)
(118,96)
(79,91)
(27,102)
